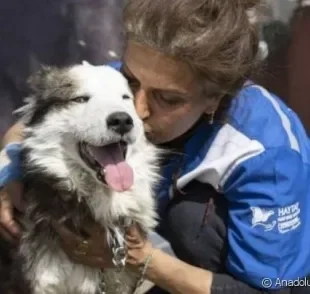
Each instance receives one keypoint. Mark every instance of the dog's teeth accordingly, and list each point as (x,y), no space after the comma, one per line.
(101,171)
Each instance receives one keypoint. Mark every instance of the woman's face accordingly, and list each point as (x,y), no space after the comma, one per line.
(167,95)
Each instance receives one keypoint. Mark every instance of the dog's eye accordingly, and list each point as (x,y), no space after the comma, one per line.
(125,96)
(81,99)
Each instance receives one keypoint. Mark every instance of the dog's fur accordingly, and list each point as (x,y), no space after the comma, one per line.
(59,184)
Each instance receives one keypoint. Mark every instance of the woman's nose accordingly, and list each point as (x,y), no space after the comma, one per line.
(141,104)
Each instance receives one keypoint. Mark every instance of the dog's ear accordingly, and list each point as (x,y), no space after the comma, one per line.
(36,85)
(38,81)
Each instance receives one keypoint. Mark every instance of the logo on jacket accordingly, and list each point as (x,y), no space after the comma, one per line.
(260,217)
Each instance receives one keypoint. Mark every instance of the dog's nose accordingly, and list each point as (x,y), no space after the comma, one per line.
(120,122)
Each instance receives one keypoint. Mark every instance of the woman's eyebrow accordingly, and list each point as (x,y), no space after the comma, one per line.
(127,73)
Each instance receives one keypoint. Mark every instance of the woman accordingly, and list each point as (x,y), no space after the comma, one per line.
(234,202)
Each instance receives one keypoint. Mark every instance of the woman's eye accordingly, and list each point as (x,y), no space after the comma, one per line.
(169,101)
(81,99)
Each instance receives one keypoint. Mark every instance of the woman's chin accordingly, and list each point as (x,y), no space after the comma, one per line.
(157,139)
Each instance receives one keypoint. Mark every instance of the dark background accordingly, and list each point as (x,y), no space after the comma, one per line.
(55,32)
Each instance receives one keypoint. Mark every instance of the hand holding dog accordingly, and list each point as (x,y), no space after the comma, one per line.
(139,248)
(96,252)
(93,251)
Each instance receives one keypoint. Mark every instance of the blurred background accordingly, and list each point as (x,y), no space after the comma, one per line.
(61,32)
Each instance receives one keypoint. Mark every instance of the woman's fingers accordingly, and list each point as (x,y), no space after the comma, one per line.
(67,236)
(6,215)
(10,229)
(98,238)
(94,230)
(91,251)
(134,235)
(7,236)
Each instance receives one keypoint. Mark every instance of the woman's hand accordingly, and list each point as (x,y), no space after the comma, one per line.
(93,251)
(11,195)
(10,198)
(139,247)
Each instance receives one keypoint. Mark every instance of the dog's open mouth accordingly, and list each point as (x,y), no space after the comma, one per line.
(109,162)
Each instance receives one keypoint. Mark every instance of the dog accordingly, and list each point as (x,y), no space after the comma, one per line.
(84,158)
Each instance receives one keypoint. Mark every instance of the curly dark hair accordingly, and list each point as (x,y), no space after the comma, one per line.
(214,37)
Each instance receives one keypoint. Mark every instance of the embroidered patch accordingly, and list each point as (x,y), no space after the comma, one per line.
(286,218)
(260,217)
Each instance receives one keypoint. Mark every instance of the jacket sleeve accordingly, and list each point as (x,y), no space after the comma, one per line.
(115,64)
(10,169)
(268,199)
(226,284)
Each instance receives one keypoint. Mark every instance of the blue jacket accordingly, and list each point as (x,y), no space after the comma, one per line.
(259,160)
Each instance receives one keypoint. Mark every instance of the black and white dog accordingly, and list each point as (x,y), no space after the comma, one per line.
(85,158)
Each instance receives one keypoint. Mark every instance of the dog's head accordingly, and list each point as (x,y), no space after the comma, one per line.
(85,115)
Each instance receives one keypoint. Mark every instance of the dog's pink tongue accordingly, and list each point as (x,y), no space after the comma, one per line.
(118,173)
